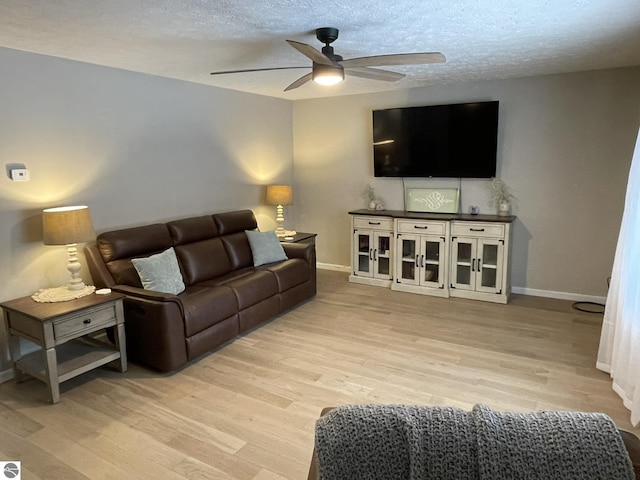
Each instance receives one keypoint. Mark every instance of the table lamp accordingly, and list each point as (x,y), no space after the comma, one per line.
(279,195)
(67,226)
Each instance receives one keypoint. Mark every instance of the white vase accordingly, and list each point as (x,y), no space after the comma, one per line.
(504,208)
(372,205)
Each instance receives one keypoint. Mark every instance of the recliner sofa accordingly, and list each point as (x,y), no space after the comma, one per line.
(225,293)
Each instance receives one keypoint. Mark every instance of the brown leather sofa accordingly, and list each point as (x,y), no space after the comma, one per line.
(225,294)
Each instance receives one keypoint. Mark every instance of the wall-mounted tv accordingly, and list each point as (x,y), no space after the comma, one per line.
(457,140)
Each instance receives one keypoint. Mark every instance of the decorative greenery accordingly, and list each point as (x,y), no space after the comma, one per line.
(499,192)
(369,194)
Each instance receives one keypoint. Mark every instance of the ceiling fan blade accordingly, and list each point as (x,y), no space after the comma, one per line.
(395,59)
(301,81)
(253,70)
(307,50)
(374,74)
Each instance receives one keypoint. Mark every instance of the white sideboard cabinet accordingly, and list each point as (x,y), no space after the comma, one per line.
(445,255)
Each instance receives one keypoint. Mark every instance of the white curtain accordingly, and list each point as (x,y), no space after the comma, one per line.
(619,352)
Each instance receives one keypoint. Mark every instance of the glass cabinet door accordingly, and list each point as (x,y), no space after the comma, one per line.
(430,261)
(363,253)
(408,259)
(382,255)
(373,254)
(490,266)
(420,260)
(463,263)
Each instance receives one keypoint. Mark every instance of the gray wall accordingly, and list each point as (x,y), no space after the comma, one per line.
(565,146)
(134,148)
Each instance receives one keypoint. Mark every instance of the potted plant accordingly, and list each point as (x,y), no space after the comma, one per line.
(500,196)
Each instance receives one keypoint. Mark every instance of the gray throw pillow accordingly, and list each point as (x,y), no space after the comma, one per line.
(265,247)
(160,272)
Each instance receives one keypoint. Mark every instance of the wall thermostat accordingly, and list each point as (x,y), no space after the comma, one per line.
(20,175)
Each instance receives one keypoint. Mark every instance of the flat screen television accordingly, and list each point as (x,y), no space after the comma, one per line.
(457,140)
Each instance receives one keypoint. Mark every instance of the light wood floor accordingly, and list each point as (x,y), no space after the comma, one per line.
(247,411)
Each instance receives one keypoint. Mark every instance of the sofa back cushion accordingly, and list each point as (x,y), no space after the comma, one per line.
(189,230)
(117,248)
(232,226)
(199,248)
(207,246)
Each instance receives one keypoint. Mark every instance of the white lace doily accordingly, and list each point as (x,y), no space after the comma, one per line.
(61,294)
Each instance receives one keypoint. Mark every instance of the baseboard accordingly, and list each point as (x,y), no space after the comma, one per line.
(336,268)
(576,297)
(6,375)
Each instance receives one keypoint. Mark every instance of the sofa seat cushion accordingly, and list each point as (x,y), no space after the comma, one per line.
(251,286)
(289,273)
(207,306)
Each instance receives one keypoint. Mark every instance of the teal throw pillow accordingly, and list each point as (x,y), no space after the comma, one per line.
(160,272)
(265,247)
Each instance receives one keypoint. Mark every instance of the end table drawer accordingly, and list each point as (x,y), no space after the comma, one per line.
(86,322)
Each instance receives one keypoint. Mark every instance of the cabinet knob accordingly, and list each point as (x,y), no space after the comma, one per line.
(87,321)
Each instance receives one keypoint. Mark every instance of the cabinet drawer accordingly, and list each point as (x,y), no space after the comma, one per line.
(468,229)
(85,322)
(422,227)
(374,223)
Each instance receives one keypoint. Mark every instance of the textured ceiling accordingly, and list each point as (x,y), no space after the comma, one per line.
(187,39)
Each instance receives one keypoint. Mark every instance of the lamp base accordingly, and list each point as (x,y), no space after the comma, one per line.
(61,294)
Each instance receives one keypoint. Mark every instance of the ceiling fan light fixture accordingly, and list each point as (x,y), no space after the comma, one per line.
(327,75)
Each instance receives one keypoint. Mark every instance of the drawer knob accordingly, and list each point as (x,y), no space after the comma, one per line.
(87,321)
(374,223)
(477,229)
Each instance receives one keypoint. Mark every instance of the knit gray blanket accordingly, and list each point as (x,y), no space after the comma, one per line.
(360,442)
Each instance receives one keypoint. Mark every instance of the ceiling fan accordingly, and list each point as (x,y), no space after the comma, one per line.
(328,68)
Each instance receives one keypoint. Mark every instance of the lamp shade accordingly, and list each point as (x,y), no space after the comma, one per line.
(67,225)
(279,195)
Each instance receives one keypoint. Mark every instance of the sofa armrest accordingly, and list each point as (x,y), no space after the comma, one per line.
(306,251)
(632,444)
(134,293)
(313,468)
(101,276)
(154,322)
